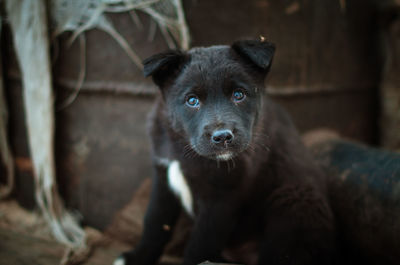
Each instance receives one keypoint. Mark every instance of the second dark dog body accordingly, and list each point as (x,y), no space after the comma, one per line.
(234,162)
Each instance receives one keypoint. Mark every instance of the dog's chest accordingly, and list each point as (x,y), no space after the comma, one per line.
(179,185)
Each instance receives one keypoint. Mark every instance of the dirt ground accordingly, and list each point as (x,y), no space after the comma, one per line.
(26,239)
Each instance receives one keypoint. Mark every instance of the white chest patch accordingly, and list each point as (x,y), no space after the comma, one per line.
(179,186)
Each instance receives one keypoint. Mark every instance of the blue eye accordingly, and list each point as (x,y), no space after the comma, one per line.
(193,101)
(238,95)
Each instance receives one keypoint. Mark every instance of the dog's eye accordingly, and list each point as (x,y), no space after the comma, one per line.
(192,101)
(238,95)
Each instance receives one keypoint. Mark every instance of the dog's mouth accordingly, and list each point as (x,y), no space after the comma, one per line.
(219,146)
(225,156)
(219,154)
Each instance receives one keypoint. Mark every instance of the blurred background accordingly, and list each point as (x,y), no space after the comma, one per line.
(337,66)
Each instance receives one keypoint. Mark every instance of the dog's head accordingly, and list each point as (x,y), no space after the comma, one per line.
(213,95)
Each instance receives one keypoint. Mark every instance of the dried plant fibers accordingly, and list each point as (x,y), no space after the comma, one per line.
(28,23)
(80,16)
(5,153)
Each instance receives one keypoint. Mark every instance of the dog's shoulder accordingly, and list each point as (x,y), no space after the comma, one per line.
(289,157)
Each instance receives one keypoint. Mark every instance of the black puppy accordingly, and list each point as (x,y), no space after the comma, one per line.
(234,161)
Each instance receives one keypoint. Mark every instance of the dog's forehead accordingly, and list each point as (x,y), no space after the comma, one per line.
(211,67)
(211,55)
(212,61)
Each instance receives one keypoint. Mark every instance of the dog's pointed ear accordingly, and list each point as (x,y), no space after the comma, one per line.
(259,53)
(164,66)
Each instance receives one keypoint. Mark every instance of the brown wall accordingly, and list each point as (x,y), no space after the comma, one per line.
(326,73)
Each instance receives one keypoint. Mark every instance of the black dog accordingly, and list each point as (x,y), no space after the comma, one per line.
(234,161)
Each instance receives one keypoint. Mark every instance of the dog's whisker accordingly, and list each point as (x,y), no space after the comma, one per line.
(233,163)
(188,151)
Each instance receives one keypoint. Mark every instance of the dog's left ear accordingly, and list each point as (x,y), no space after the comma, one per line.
(259,53)
(164,66)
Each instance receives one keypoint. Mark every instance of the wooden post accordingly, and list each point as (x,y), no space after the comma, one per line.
(390,89)
(5,153)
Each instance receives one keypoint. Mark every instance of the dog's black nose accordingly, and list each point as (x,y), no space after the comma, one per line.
(222,137)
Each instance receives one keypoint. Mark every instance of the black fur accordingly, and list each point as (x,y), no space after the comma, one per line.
(259,53)
(163,66)
(260,189)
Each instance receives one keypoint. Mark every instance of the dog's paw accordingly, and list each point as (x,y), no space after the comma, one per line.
(132,258)
(119,261)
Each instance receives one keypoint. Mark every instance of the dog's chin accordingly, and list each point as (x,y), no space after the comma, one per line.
(219,155)
(225,156)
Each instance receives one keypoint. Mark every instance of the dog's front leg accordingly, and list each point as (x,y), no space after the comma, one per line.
(161,216)
(210,234)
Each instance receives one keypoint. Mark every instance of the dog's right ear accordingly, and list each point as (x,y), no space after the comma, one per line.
(164,66)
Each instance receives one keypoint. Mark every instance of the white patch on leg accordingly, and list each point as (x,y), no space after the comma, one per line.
(119,261)
(179,186)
